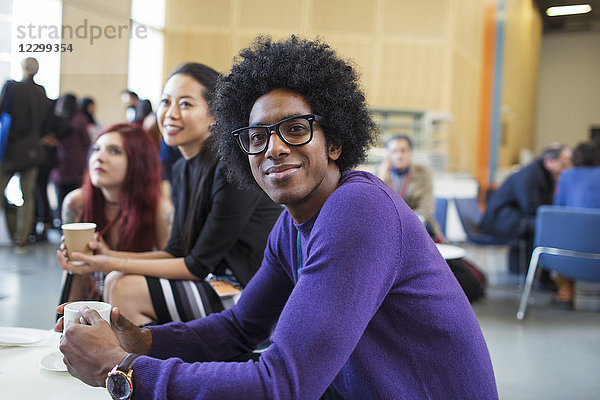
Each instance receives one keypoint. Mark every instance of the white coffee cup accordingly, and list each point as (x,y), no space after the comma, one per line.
(71,312)
(77,237)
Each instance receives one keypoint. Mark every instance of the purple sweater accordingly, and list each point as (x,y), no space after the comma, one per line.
(376,313)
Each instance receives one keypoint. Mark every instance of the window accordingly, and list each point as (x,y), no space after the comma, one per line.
(20,24)
(27,22)
(146,54)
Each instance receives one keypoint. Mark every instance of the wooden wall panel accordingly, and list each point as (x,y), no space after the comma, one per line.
(468,29)
(97,69)
(212,49)
(362,55)
(423,19)
(465,78)
(410,54)
(465,107)
(85,55)
(412,74)
(243,40)
(350,16)
(188,14)
(568,93)
(522,51)
(105,89)
(265,15)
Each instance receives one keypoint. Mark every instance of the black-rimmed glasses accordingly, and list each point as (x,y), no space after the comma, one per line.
(294,131)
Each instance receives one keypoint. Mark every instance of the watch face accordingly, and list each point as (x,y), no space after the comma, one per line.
(117,385)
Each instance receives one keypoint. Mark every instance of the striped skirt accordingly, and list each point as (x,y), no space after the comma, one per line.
(182,300)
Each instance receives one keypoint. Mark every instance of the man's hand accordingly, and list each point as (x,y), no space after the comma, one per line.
(131,338)
(90,351)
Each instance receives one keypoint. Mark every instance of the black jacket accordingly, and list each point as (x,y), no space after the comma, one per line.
(232,229)
(513,206)
(29,109)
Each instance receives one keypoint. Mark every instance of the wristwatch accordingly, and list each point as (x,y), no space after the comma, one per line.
(119,382)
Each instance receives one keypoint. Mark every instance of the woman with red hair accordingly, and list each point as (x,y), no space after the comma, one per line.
(121,194)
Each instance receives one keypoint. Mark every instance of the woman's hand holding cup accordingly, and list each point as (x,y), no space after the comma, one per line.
(76,237)
(78,244)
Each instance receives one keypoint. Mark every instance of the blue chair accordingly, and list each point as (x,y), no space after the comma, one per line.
(470,217)
(441,212)
(566,240)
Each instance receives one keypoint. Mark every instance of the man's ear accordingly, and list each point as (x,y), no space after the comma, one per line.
(334,152)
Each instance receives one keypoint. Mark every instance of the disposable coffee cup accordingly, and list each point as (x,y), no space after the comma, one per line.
(77,237)
(71,312)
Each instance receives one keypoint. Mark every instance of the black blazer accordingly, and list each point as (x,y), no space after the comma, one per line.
(231,231)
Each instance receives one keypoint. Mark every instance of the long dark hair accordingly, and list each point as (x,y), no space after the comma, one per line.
(203,170)
(66,106)
(84,105)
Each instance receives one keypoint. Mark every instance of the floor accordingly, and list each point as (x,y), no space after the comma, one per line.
(552,354)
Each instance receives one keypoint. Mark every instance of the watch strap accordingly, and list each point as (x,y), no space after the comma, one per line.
(127,362)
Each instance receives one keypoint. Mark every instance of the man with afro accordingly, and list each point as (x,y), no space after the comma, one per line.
(355,298)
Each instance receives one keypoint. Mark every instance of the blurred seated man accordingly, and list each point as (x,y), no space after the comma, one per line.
(577,187)
(510,212)
(412,182)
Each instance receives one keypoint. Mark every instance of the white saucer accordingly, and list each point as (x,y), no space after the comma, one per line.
(10,336)
(53,362)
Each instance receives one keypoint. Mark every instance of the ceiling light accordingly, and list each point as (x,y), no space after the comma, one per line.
(568,10)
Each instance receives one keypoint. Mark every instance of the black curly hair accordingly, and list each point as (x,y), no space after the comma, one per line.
(310,68)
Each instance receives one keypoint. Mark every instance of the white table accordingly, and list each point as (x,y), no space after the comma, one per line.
(450,252)
(22,377)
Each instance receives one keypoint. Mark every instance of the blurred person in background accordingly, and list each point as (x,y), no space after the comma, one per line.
(72,148)
(510,212)
(28,107)
(577,187)
(44,215)
(414,183)
(87,107)
(168,154)
(136,109)
(168,157)
(150,125)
